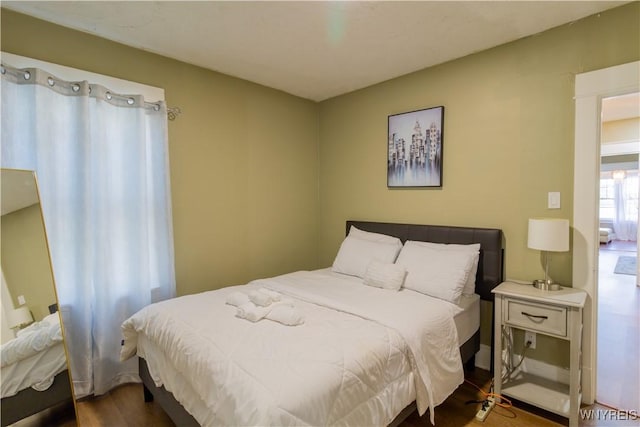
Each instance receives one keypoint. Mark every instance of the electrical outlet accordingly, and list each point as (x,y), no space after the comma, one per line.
(530,337)
(21,300)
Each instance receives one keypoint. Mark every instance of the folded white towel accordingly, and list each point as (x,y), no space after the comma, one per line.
(260,298)
(286,301)
(275,296)
(285,314)
(252,312)
(264,297)
(237,299)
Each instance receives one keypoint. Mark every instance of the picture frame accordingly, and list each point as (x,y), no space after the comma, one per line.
(414,148)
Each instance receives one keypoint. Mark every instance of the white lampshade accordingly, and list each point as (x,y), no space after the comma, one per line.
(549,234)
(20,316)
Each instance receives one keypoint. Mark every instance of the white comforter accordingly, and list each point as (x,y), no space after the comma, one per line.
(34,358)
(32,340)
(361,356)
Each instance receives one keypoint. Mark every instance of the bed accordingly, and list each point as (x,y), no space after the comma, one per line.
(34,371)
(359,356)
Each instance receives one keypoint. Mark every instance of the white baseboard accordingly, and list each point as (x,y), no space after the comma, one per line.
(541,369)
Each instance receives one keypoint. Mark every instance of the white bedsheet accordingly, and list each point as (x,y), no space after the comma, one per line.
(32,359)
(358,359)
(468,320)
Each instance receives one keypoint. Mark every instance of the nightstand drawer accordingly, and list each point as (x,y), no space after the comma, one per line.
(537,317)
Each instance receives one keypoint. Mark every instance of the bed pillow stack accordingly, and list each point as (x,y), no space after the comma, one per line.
(474,251)
(360,248)
(439,270)
(444,271)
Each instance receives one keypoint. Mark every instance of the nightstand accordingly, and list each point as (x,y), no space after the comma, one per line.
(557,314)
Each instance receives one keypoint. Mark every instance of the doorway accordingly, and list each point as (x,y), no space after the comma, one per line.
(590,88)
(618,303)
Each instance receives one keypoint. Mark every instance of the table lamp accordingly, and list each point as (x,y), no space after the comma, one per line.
(20,317)
(548,235)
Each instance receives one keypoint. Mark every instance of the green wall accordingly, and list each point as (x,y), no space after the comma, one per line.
(244,157)
(508,138)
(626,130)
(25,260)
(508,141)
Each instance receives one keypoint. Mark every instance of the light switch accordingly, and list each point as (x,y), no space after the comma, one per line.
(554,200)
(21,300)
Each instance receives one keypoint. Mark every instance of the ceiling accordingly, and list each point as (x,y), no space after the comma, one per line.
(18,190)
(313,49)
(621,107)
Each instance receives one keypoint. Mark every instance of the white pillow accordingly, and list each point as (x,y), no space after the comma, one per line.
(52,318)
(355,255)
(470,285)
(440,274)
(385,275)
(373,237)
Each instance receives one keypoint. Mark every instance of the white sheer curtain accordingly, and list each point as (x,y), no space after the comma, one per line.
(102,165)
(625,221)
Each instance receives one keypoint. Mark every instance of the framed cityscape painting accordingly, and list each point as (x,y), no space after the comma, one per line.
(415,148)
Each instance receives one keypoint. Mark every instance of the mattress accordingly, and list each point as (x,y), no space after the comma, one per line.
(358,361)
(468,320)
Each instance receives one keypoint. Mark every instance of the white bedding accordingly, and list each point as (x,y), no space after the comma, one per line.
(358,359)
(32,359)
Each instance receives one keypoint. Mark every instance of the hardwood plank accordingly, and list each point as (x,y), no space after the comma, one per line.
(457,412)
(619,331)
(124,406)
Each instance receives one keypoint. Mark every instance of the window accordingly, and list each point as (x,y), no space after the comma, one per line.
(607,201)
(619,195)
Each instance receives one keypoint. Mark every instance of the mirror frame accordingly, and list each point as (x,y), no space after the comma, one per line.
(29,402)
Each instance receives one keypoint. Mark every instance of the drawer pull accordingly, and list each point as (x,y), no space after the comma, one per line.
(534,316)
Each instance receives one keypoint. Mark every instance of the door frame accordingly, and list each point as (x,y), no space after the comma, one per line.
(590,88)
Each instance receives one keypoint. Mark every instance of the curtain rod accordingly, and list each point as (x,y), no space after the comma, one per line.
(173,112)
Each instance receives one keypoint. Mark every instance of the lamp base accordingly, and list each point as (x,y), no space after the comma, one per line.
(546,285)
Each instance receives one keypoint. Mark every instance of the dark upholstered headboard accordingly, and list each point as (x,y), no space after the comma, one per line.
(491,254)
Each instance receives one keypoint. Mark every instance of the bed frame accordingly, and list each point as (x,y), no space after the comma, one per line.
(29,401)
(490,273)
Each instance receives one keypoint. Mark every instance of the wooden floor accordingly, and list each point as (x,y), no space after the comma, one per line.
(125,406)
(618,331)
(456,412)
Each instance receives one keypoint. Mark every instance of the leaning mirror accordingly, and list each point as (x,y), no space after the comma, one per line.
(35,376)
